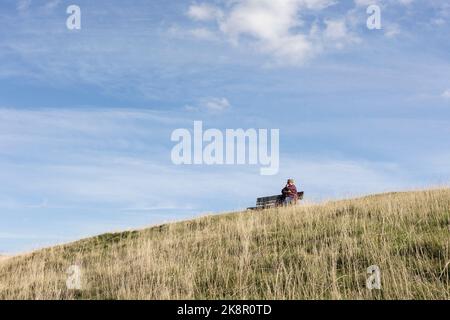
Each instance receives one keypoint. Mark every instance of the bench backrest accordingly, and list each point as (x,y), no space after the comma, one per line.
(272,201)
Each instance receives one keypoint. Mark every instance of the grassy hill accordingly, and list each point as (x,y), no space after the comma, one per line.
(307,252)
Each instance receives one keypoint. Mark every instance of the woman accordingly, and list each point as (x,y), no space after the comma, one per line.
(290,193)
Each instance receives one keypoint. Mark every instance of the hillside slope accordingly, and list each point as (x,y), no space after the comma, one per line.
(306,252)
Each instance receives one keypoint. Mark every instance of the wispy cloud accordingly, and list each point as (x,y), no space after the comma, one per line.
(211,105)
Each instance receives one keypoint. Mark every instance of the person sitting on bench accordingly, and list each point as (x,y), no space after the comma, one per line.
(290,193)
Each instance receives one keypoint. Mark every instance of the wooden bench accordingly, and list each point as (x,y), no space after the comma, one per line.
(272,201)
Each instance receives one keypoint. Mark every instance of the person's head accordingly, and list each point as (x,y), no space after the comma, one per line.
(290,181)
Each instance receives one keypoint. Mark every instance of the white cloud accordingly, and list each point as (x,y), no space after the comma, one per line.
(264,20)
(336,29)
(216,104)
(270,24)
(337,33)
(276,28)
(446,94)
(204,12)
(211,104)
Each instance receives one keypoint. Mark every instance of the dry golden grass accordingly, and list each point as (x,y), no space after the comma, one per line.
(306,252)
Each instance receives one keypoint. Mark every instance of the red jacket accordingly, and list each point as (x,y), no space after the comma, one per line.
(290,191)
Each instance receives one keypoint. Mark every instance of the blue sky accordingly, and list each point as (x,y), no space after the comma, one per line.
(86,115)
